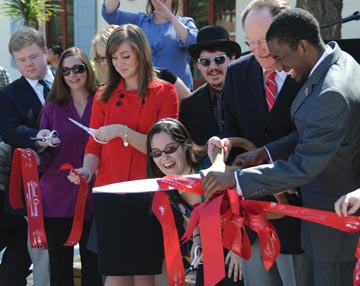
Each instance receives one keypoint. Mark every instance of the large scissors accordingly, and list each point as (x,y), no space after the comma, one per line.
(89,130)
(52,139)
(197,260)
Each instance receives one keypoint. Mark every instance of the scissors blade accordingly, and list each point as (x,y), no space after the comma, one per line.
(79,125)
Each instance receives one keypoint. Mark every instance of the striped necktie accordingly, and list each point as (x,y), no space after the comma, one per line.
(46,88)
(270,89)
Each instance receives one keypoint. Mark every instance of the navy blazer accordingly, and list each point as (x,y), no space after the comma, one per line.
(246,115)
(19,112)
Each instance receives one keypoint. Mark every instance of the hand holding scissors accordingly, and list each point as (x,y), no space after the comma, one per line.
(89,130)
(47,138)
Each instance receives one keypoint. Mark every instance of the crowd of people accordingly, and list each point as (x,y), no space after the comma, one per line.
(295,97)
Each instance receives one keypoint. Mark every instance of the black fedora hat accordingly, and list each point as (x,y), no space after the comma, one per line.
(213,36)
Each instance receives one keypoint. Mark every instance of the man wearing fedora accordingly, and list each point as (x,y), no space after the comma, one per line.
(202,111)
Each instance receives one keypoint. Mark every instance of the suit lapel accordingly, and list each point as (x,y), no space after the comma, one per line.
(29,94)
(314,79)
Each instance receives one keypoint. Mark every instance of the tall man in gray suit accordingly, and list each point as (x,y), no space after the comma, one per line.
(322,154)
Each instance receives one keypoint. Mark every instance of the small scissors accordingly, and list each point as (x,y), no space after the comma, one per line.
(89,130)
(196,261)
(52,139)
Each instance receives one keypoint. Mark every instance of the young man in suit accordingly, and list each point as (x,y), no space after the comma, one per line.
(202,112)
(20,106)
(322,154)
(248,114)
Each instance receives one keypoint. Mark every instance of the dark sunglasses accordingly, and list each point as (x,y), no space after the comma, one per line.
(99,59)
(168,150)
(218,60)
(77,69)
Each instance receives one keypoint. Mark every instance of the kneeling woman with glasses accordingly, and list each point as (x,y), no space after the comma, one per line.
(171,150)
(72,95)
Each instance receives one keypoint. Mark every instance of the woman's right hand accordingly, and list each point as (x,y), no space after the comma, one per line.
(216,142)
(83,171)
(111,5)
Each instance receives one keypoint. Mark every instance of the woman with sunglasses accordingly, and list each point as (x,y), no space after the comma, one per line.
(129,236)
(71,96)
(169,34)
(98,47)
(171,150)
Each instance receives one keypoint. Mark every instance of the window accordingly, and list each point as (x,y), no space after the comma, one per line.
(60,28)
(210,12)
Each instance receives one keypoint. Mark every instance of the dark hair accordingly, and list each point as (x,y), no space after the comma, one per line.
(57,49)
(177,131)
(293,25)
(275,7)
(135,37)
(174,7)
(60,91)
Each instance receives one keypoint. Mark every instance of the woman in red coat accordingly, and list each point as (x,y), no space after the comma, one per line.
(129,236)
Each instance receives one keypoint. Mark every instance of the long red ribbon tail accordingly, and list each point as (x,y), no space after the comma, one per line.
(78,220)
(356,275)
(162,209)
(211,240)
(24,167)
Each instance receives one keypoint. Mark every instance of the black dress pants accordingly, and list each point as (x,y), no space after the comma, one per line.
(16,261)
(61,257)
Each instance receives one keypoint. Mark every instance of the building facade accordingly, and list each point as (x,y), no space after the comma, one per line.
(82,18)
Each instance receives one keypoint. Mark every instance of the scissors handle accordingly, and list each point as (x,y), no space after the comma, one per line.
(197,260)
(92,132)
(50,139)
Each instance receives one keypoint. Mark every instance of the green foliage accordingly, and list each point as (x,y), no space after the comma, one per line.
(33,12)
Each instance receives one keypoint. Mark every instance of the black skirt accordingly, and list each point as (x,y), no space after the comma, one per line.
(129,235)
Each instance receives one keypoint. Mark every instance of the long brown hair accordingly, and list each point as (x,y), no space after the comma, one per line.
(60,91)
(135,37)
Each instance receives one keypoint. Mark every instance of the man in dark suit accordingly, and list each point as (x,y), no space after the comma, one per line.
(322,154)
(202,111)
(20,106)
(249,115)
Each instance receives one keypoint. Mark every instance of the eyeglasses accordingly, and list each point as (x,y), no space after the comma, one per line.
(99,59)
(77,69)
(253,44)
(168,150)
(218,60)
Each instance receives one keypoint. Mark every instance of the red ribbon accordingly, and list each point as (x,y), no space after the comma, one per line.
(78,220)
(183,183)
(24,170)
(356,275)
(252,214)
(162,209)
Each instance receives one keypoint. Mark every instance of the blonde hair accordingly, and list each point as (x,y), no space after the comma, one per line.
(99,42)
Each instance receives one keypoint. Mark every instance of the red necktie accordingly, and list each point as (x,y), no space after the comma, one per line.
(270,89)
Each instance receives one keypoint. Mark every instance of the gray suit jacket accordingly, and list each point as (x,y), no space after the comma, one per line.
(322,154)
